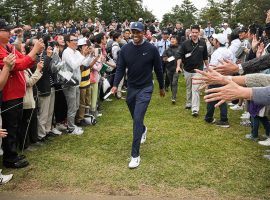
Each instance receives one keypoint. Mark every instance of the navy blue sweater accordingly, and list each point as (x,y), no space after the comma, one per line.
(140,61)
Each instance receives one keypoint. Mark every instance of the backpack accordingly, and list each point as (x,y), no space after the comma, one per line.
(109,50)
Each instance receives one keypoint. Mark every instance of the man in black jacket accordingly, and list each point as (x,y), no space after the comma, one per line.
(193,55)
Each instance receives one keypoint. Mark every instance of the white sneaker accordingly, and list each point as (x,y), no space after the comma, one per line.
(143,139)
(245,115)
(56,131)
(61,127)
(135,162)
(5,178)
(236,107)
(77,131)
(78,127)
(265,142)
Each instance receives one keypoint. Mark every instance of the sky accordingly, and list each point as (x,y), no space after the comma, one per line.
(160,7)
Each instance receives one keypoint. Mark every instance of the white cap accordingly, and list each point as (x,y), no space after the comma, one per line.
(140,19)
(226,24)
(156,21)
(82,41)
(221,38)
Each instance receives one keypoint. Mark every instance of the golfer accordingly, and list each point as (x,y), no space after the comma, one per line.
(139,58)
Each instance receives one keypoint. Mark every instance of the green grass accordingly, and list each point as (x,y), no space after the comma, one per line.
(181,152)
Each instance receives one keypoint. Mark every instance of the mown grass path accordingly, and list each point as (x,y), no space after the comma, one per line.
(182,155)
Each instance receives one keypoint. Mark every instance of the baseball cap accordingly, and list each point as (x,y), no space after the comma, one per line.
(221,38)
(82,41)
(4,25)
(137,26)
(165,32)
(140,19)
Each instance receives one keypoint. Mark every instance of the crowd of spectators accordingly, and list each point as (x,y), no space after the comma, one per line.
(54,77)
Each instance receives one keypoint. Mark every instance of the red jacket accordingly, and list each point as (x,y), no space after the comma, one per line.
(16,86)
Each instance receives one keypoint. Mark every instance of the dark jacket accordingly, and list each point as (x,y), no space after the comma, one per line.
(256,64)
(172,51)
(140,61)
(44,85)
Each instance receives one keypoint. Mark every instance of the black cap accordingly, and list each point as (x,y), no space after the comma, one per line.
(4,25)
(165,32)
(243,29)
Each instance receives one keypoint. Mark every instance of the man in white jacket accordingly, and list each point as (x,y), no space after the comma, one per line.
(74,60)
(221,52)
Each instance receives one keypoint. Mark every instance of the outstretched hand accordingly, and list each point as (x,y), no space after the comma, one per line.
(227,67)
(229,92)
(209,77)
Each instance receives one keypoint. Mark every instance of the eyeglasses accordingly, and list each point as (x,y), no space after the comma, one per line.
(5,30)
(74,40)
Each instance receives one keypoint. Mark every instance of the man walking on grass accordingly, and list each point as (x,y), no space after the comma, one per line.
(139,57)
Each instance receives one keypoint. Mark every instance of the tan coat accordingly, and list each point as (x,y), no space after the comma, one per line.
(28,99)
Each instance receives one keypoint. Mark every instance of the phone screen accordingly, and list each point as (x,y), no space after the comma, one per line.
(97,51)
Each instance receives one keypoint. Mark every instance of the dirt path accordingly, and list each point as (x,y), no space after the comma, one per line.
(56,196)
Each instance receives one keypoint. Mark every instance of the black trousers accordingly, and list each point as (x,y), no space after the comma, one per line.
(31,135)
(60,105)
(11,115)
(165,75)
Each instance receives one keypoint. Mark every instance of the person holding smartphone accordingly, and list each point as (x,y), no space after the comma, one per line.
(13,94)
(170,57)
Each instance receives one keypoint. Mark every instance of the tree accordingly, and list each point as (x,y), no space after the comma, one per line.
(211,13)
(227,9)
(248,12)
(185,13)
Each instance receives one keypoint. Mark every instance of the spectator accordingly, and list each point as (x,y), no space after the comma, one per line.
(179,31)
(74,59)
(85,90)
(13,94)
(193,55)
(29,130)
(220,53)
(163,45)
(226,30)
(209,30)
(170,57)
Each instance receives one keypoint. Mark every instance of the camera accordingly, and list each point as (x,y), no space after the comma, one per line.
(52,44)
(33,32)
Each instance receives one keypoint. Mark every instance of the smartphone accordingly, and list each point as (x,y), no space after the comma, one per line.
(97,51)
(257,34)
